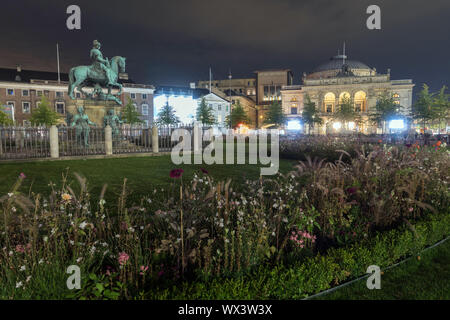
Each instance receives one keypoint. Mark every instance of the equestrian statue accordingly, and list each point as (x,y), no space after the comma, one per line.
(101,74)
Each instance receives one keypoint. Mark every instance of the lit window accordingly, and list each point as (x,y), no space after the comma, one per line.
(26,107)
(10,92)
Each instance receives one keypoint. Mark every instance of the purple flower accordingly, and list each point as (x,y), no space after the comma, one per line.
(351,190)
(176,173)
(204,170)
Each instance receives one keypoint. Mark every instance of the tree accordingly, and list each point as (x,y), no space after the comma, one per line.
(310,114)
(166,116)
(129,113)
(5,120)
(422,109)
(385,110)
(237,116)
(441,106)
(44,115)
(275,115)
(346,112)
(205,113)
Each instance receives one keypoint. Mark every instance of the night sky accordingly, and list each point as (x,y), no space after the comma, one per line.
(171,42)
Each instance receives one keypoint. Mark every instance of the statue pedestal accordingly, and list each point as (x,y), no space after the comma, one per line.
(95,110)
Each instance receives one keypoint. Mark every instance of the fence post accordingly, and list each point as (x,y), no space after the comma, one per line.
(155,139)
(108,140)
(54,143)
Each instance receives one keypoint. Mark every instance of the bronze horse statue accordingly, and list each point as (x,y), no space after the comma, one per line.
(82,76)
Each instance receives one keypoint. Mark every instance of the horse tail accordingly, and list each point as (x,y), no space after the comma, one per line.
(71,75)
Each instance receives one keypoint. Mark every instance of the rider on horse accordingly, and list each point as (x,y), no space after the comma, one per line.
(100,64)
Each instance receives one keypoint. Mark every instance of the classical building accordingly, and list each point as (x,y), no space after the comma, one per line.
(21,91)
(330,82)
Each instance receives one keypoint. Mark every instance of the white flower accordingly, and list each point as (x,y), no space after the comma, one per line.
(72,242)
(83,225)
(41,261)
(45,239)
(10,194)
(22,268)
(28,279)
(19,284)
(11,253)
(79,259)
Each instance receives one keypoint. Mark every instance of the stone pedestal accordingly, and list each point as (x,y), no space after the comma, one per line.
(96,110)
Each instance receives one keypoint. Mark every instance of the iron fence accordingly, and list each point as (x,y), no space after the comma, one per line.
(76,142)
(24,142)
(132,139)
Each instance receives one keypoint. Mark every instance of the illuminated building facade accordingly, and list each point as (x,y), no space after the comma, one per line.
(338,78)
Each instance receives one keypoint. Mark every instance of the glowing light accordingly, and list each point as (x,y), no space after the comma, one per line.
(294,125)
(184,106)
(337,125)
(396,124)
(351,125)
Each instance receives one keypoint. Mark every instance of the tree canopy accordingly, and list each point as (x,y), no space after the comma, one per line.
(205,113)
(385,109)
(166,116)
(44,115)
(238,116)
(310,114)
(275,115)
(5,120)
(129,113)
(346,111)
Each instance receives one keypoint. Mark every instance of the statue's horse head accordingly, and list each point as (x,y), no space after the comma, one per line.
(120,62)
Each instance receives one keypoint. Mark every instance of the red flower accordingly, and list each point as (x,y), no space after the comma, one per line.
(176,173)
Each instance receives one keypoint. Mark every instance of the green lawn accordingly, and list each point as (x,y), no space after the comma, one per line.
(424,279)
(142,173)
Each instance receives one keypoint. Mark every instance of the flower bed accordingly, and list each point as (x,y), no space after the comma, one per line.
(284,228)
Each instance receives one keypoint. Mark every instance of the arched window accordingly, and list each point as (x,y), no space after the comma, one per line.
(329,101)
(360,101)
(344,95)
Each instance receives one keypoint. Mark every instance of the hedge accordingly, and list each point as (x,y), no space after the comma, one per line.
(320,272)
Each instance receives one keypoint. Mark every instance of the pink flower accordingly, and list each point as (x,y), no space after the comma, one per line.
(22,175)
(20,248)
(411,209)
(123,258)
(143,270)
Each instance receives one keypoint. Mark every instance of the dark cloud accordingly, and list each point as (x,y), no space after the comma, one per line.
(174,42)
